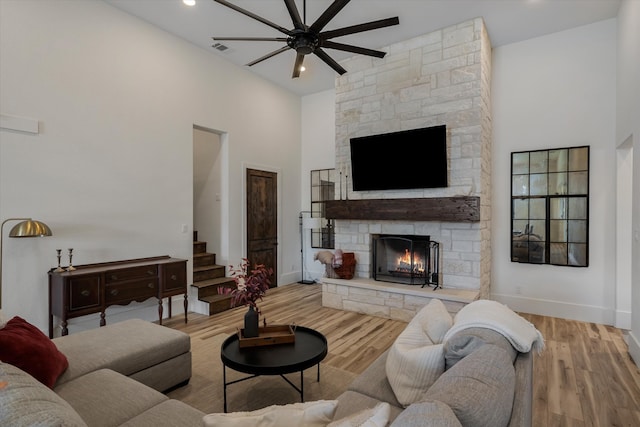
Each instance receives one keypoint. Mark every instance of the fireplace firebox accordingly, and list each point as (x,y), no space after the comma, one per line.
(410,260)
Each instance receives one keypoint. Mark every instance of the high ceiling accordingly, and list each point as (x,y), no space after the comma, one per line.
(507,21)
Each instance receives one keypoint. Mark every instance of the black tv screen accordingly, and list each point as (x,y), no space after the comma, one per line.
(400,160)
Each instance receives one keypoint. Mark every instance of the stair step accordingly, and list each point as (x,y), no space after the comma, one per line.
(199,247)
(210,287)
(203,259)
(208,272)
(217,303)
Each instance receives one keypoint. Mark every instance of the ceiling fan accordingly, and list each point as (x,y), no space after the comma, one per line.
(305,39)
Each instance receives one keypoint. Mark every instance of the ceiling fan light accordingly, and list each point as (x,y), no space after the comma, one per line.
(189,2)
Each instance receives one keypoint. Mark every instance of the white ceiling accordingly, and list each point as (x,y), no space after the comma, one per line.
(507,21)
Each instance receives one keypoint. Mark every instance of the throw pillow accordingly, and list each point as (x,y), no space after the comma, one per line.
(26,347)
(425,414)
(436,320)
(24,401)
(378,416)
(309,414)
(414,362)
(479,389)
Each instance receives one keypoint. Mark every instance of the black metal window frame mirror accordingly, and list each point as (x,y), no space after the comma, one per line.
(550,206)
(323,184)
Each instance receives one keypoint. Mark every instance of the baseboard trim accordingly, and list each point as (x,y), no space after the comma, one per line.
(623,320)
(580,312)
(634,348)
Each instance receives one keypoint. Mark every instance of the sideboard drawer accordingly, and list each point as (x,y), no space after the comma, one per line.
(131,273)
(174,277)
(84,292)
(138,290)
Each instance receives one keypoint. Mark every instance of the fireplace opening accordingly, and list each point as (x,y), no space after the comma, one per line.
(410,260)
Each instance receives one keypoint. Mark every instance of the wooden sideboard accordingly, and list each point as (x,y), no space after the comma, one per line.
(91,288)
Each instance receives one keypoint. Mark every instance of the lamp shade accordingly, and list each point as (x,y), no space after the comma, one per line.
(30,228)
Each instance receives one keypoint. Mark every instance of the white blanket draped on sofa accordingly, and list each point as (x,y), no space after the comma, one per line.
(498,317)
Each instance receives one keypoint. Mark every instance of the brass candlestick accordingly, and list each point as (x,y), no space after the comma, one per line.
(71,267)
(59,269)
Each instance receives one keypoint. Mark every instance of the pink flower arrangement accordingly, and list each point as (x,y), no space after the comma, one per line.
(251,285)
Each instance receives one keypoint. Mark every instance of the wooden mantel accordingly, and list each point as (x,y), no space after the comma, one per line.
(448,209)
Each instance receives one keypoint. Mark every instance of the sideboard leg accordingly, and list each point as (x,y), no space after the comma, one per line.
(186,306)
(160,311)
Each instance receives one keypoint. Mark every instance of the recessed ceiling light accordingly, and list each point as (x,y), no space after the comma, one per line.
(302,68)
(189,2)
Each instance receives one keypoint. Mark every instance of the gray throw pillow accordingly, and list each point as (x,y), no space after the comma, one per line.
(479,389)
(463,343)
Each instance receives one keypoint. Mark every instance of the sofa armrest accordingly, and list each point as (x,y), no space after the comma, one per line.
(522,412)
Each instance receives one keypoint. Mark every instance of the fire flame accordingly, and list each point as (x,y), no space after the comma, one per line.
(404,263)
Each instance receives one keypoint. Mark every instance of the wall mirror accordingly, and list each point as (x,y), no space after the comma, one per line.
(322,189)
(550,206)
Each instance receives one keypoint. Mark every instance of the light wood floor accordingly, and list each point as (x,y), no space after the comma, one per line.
(584,377)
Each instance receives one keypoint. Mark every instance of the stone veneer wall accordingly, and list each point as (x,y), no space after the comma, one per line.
(441,77)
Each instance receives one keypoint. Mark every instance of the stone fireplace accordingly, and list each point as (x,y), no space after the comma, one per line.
(440,78)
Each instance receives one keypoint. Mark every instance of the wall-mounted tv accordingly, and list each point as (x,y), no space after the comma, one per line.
(400,160)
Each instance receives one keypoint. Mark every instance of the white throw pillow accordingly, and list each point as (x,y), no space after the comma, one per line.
(415,361)
(378,416)
(317,413)
(436,320)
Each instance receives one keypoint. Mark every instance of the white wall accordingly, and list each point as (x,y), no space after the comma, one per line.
(318,152)
(548,92)
(111,169)
(628,132)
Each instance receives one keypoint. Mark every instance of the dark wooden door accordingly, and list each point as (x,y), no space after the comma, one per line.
(262,219)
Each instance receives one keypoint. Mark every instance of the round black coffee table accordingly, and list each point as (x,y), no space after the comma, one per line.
(309,348)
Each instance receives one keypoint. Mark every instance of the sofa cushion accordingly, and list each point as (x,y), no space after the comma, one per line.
(107,398)
(25,401)
(414,362)
(479,389)
(378,416)
(427,413)
(373,382)
(466,341)
(352,401)
(25,346)
(169,413)
(126,347)
(309,414)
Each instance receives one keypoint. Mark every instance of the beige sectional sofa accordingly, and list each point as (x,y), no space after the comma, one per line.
(478,389)
(115,378)
(116,374)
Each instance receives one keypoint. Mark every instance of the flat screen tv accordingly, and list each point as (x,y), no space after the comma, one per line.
(403,160)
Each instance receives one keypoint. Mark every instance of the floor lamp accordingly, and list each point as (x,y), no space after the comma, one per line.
(26,228)
(306,223)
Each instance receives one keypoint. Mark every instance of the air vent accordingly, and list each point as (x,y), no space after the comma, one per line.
(220,47)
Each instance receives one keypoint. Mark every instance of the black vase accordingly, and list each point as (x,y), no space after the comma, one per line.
(251,323)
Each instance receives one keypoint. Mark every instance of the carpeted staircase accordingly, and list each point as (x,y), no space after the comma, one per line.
(208,277)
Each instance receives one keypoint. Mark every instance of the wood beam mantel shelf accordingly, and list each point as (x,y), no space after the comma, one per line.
(448,209)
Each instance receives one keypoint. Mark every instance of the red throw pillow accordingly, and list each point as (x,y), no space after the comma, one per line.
(26,347)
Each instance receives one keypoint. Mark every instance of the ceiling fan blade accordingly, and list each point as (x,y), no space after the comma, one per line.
(354,49)
(295,15)
(328,15)
(254,16)
(297,66)
(329,61)
(269,55)
(373,25)
(252,39)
